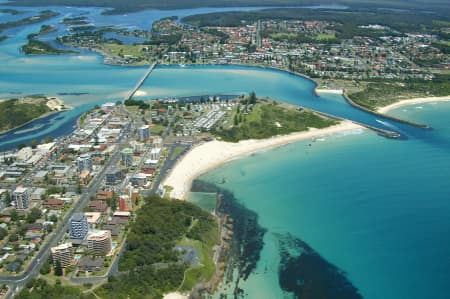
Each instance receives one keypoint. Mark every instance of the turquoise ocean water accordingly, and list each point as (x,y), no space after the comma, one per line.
(377,209)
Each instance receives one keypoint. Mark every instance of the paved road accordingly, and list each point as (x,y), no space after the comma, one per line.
(113,270)
(17,282)
(168,165)
(32,270)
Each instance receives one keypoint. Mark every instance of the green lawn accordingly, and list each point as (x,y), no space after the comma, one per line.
(176,152)
(206,268)
(267,120)
(157,129)
(325,36)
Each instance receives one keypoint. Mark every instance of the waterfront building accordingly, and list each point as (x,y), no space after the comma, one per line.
(24,154)
(127,157)
(155,153)
(144,132)
(84,162)
(62,253)
(108,107)
(99,242)
(78,226)
(21,197)
(139,179)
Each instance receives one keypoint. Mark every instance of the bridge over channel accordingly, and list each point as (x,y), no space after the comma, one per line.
(141,81)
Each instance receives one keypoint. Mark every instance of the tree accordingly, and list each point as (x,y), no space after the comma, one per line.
(30,284)
(22,230)
(7,199)
(235,121)
(54,218)
(13,237)
(14,215)
(58,269)
(252,98)
(3,233)
(34,215)
(113,202)
(34,143)
(48,139)
(45,269)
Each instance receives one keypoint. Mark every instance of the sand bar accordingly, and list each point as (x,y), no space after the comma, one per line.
(56,104)
(210,155)
(335,91)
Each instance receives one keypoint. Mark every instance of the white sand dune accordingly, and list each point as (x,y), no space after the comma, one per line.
(175,295)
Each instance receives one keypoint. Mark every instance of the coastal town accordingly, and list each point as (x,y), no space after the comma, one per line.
(66,204)
(104,207)
(308,47)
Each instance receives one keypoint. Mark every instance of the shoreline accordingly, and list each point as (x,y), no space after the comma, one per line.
(211,155)
(413,101)
(52,103)
(333,91)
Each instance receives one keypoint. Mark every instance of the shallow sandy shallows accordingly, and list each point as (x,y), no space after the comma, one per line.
(210,155)
(412,102)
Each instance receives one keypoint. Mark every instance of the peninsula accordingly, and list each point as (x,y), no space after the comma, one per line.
(17,112)
(210,155)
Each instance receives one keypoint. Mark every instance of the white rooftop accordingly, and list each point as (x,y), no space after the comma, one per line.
(61,247)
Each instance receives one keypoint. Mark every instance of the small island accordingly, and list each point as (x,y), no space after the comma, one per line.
(35,46)
(17,112)
(43,16)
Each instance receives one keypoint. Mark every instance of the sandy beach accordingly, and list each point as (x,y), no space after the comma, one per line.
(335,91)
(412,102)
(140,93)
(210,155)
(56,104)
(175,295)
